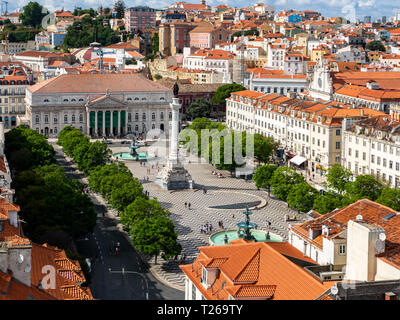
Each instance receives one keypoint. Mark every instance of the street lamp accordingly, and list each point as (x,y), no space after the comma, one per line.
(133,272)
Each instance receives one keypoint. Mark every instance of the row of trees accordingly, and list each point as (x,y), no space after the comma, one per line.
(209,142)
(344,189)
(152,232)
(53,207)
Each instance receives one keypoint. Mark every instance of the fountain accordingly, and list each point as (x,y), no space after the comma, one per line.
(246,230)
(133,154)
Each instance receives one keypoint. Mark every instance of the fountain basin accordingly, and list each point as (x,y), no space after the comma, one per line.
(127,156)
(260,235)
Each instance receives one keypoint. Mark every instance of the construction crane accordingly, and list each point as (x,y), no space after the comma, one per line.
(7,33)
(6,3)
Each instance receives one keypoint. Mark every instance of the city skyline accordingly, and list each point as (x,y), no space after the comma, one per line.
(334,8)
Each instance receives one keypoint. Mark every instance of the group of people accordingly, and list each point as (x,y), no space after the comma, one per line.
(147,193)
(206,228)
(218,174)
(188,205)
(221,225)
(146,179)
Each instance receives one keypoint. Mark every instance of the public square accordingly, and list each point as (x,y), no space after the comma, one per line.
(220,192)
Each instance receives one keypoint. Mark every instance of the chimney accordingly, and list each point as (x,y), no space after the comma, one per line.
(364,242)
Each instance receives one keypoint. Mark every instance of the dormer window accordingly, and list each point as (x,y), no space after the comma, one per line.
(136,98)
(46,100)
(80,99)
(129,99)
(65,100)
(204,276)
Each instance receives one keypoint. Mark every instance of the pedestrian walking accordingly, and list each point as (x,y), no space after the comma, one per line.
(233,216)
(189,205)
(185,204)
(210,228)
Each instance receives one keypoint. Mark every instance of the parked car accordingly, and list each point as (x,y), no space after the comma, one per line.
(108,141)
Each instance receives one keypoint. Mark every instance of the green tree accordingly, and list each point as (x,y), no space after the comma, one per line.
(32,15)
(155,43)
(364,186)
(140,209)
(337,178)
(224,92)
(301,197)
(375,46)
(200,108)
(263,148)
(125,194)
(225,159)
(390,197)
(119,7)
(154,236)
(283,180)
(328,202)
(263,176)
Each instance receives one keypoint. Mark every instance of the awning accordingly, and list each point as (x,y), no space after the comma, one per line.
(297,160)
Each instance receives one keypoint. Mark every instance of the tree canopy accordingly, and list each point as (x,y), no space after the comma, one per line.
(224,92)
(263,176)
(86,31)
(32,15)
(302,197)
(283,180)
(337,178)
(375,46)
(200,108)
(119,7)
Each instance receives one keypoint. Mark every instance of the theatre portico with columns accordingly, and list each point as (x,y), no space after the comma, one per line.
(100,105)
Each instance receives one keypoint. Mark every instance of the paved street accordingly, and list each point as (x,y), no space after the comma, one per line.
(223,191)
(129,278)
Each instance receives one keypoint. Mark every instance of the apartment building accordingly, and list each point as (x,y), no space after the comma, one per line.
(306,128)
(14,79)
(139,18)
(358,242)
(372,146)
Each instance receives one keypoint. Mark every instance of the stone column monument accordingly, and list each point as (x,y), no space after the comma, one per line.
(174,176)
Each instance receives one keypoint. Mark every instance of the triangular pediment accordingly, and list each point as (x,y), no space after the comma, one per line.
(106,100)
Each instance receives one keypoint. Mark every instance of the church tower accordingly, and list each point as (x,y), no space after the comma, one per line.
(320,86)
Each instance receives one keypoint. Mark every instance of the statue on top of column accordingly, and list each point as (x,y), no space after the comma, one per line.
(176,89)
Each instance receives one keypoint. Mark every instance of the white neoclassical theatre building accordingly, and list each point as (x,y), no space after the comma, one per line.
(100,105)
